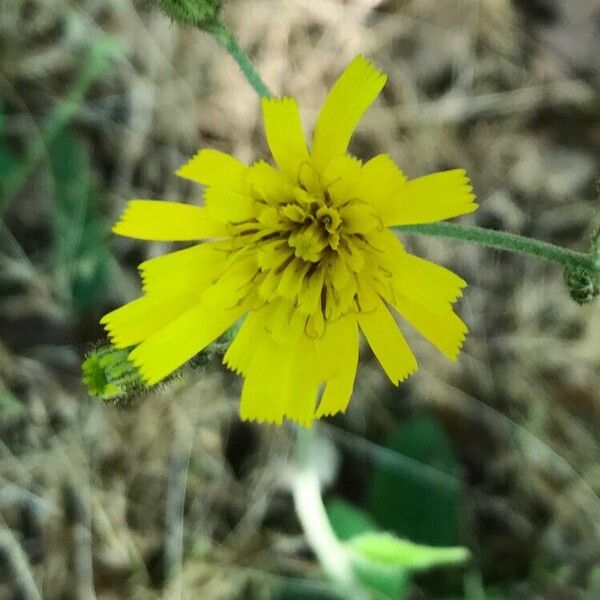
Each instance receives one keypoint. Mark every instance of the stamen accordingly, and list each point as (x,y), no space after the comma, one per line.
(281,268)
(244,222)
(314,335)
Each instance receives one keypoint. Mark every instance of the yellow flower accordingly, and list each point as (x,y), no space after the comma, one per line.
(304,254)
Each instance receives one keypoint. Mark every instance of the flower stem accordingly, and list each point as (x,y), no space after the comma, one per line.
(308,503)
(220,32)
(503,240)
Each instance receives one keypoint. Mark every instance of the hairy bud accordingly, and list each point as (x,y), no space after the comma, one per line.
(583,284)
(109,375)
(198,13)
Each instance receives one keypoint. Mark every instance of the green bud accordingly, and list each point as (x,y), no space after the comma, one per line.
(595,252)
(583,284)
(199,13)
(109,375)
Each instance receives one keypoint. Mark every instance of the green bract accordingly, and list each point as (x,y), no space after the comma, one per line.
(108,374)
(199,13)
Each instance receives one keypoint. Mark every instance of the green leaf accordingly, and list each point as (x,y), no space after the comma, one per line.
(304,589)
(417,495)
(390,550)
(80,257)
(10,407)
(348,521)
(2,120)
(482,596)
(8,163)
(385,581)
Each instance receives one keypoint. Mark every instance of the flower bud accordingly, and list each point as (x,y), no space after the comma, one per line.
(199,13)
(583,284)
(109,375)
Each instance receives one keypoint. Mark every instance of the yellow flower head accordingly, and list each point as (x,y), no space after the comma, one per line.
(303,252)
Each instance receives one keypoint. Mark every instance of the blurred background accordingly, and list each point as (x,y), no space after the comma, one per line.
(170,495)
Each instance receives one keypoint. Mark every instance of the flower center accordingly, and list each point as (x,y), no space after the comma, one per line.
(310,251)
(312,229)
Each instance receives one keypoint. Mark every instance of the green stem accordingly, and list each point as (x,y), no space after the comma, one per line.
(502,240)
(228,41)
(308,502)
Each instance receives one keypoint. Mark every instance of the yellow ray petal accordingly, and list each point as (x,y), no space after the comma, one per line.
(241,351)
(268,287)
(419,280)
(267,383)
(304,381)
(285,136)
(360,218)
(379,183)
(432,198)
(167,221)
(232,285)
(200,264)
(271,255)
(314,325)
(444,330)
(139,319)
(384,337)
(269,184)
(347,101)
(341,177)
(340,367)
(290,281)
(214,168)
(229,207)
(180,340)
(252,405)
(285,322)
(310,293)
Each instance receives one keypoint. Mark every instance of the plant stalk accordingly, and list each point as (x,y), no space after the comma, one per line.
(220,33)
(502,240)
(308,503)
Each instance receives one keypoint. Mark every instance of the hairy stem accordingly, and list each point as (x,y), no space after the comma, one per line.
(228,41)
(503,240)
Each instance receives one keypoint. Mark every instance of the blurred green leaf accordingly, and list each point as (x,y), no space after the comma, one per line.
(383,562)
(348,521)
(8,160)
(11,407)
(96,62)
(385,581)
(304,589)
(390,550)
(420,500)
(80,257)
(8,163)
(482,596)
(593,584)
